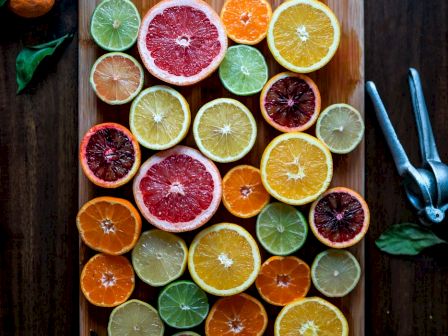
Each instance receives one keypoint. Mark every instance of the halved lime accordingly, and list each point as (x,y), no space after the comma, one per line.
(340,127)
(135,317)
(182,305)
(335,273)
(114,24)
(244,70)
(186,333)
(159,257)
(281,229)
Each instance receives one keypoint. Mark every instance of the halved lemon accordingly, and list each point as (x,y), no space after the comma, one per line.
(296,168)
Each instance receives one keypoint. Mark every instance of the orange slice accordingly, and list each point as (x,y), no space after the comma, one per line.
(240,315)
(243,193)
(109,224)
(107,281)
(283,280)
(246,21)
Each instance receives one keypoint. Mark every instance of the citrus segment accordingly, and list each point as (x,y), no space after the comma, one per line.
(186,333)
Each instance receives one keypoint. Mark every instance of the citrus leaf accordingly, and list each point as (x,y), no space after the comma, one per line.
(29,59)
(2,2)
(407,239)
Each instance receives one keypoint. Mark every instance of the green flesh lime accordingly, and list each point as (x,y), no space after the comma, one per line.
(186,333)
(281,228)
(135,318)
(244,70)
(114,24)
(340,127)
(182,305)
(335,273)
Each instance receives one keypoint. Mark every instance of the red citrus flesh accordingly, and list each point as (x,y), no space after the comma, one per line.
(339,218)
(182,41)
(178,189)
(109,155)
(290,102)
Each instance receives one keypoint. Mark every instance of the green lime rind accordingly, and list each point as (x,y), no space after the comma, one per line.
(183,305)
(114,24)
(281,229)
(243,70)
(335,273)
(135,317)
(186,333)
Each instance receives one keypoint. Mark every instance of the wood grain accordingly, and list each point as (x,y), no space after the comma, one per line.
(340,81)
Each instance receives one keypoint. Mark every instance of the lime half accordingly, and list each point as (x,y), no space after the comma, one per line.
(340,127)
(114,24)
(135,317)
(186,333)
(335,273)
(244,70)
(183,305)
(281,229)
(159,257)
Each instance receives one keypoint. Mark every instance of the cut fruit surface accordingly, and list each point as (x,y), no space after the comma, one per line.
(224,259)
(182,41)
(186,333)
(243,193)
(283,280)
(290,102)
(114,24)
(335,273)
(178,189)
(159,117)
(159,257)
(239,314)
(303,35)
(107,281)
(340,127)
(296,168)
(109,155)
(244,70)
(109,224)
(311,316)
(281,229)
(136,318)
(340,217)
(183,305)
(224,130)
(246,21)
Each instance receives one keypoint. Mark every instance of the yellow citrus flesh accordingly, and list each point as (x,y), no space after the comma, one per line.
(296,168)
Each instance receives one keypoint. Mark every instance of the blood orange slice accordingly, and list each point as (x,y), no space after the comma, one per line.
(109,155)
(178,189)
(290,102)
(182,41)
(339,218)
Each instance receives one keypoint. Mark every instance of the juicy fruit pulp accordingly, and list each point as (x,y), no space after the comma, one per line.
(31,8)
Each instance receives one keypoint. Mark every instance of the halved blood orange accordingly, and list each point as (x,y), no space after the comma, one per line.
(109,224)
(182,41)
(283,280)
(107,281)
(239,314)
(109,155)
(340,217)
(178,189)
(290,102)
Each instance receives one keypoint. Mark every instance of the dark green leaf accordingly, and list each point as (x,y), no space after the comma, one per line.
(407,239)
(2,2)
(29,59)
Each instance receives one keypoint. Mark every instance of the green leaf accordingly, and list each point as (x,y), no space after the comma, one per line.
(407,239)
(29,59)
(2,2)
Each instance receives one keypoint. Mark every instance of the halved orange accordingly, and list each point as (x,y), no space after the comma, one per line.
(283,280)
(246,21)
(109,224)
(239,314)
(107,281)
(243,193)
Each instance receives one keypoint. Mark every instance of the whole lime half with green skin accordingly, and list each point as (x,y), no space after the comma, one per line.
(114,24)
(186,333)
(244,70)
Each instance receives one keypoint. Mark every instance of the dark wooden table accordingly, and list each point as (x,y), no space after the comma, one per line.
(38,167)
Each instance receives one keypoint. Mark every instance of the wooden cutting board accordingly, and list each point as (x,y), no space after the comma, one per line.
(341,81)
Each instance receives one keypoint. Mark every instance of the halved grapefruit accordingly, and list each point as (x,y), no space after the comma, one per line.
(182,41)
(178,189)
